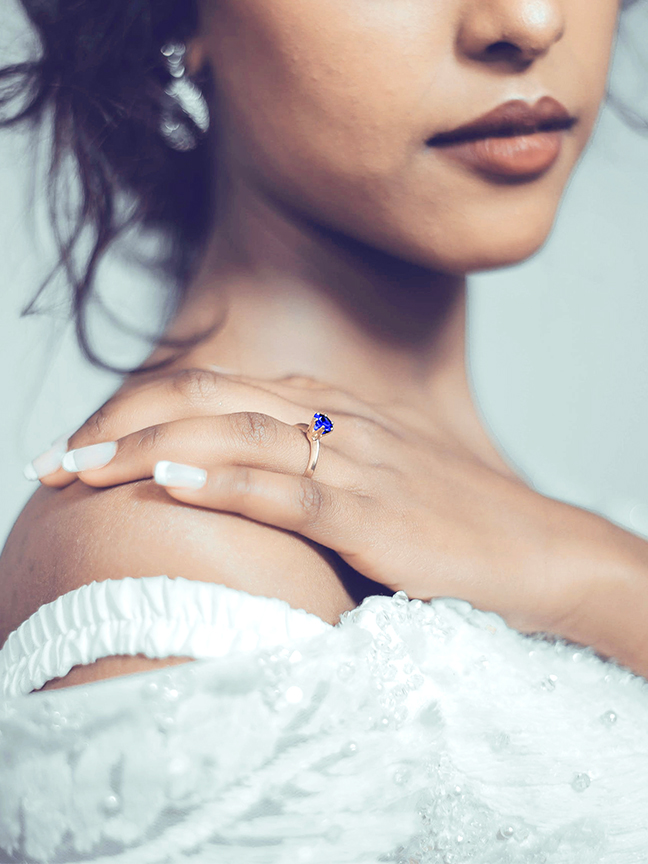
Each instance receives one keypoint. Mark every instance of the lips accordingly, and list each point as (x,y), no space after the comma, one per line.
(514,140)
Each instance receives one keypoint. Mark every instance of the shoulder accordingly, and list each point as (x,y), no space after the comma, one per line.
(68,538)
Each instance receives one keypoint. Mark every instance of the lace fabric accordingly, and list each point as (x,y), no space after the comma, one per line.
(417,733)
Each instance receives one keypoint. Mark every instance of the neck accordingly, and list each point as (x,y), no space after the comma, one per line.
(286,297)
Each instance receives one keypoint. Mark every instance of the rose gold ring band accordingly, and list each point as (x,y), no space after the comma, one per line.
(320,425)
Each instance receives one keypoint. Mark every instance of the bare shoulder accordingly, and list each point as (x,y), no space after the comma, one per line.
(67,538)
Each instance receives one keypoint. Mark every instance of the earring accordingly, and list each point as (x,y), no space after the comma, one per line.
(184,98)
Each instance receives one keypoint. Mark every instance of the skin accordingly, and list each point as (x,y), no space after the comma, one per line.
(337,274)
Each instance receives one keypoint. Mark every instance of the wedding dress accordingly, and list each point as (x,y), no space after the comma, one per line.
(410,732)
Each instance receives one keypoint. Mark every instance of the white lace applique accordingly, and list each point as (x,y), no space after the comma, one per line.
(414,733)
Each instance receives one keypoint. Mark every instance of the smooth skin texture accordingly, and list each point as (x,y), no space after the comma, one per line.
(337,273)
(409,509)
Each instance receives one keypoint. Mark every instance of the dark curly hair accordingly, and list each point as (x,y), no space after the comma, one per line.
(101,78)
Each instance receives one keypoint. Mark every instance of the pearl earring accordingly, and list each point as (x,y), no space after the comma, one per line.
(184,95)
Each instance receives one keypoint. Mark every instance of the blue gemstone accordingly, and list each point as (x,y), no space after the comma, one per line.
(322,422)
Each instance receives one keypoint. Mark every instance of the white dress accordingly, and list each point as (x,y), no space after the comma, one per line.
(411,732)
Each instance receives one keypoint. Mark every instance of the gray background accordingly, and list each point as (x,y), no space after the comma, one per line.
(558,345)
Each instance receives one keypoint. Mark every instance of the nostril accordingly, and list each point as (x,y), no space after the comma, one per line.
(508,52)
(502,47)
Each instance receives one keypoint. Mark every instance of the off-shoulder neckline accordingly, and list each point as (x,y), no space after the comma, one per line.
(157,616)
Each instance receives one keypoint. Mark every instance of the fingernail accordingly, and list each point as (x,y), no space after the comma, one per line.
(89,458)
(180,476)
(62,441)
(30,472)
(48,462)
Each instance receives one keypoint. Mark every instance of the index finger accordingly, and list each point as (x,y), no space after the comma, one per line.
(183,394)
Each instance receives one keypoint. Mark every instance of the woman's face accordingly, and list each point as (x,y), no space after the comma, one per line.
(330,107)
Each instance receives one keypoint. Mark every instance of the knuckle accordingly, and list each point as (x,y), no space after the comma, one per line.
(254,428)
(242,481)
(195,386)
(311,500)
(150,439)
(97,425)
(364,425)
(362,429)
(387,469)
(370,441)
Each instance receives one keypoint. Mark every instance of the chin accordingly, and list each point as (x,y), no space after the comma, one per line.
(492,245)
(504,255)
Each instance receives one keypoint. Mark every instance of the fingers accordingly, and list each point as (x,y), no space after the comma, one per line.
(187,393)
(325,514)
(48,464)
(150,403)
(243,438)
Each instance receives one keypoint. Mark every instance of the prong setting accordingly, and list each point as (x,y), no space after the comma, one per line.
(320,425)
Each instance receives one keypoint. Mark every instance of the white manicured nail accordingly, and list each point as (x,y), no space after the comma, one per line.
(62,441)
(30,472)
(48,462)
(89,458)
(180,476)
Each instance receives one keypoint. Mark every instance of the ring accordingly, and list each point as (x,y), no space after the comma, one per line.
(319,425)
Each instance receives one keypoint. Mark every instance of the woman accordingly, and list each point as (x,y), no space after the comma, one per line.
(367,157)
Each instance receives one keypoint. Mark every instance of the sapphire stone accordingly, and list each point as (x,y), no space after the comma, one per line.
(323,423)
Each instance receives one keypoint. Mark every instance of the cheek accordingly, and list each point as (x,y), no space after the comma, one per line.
(326,105)
(587,54)
(335,86)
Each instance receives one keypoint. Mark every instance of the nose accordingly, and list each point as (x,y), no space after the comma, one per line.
(514,32)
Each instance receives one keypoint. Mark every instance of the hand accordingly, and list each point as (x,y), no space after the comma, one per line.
(406,508)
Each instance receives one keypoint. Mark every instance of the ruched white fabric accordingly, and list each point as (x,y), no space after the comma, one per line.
(155,616)
(411,733)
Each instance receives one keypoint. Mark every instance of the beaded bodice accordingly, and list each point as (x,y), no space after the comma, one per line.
(418,733)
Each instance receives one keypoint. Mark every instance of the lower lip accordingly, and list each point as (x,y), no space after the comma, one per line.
(517,156)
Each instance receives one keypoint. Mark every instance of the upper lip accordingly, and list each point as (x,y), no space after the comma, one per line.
(515,117)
